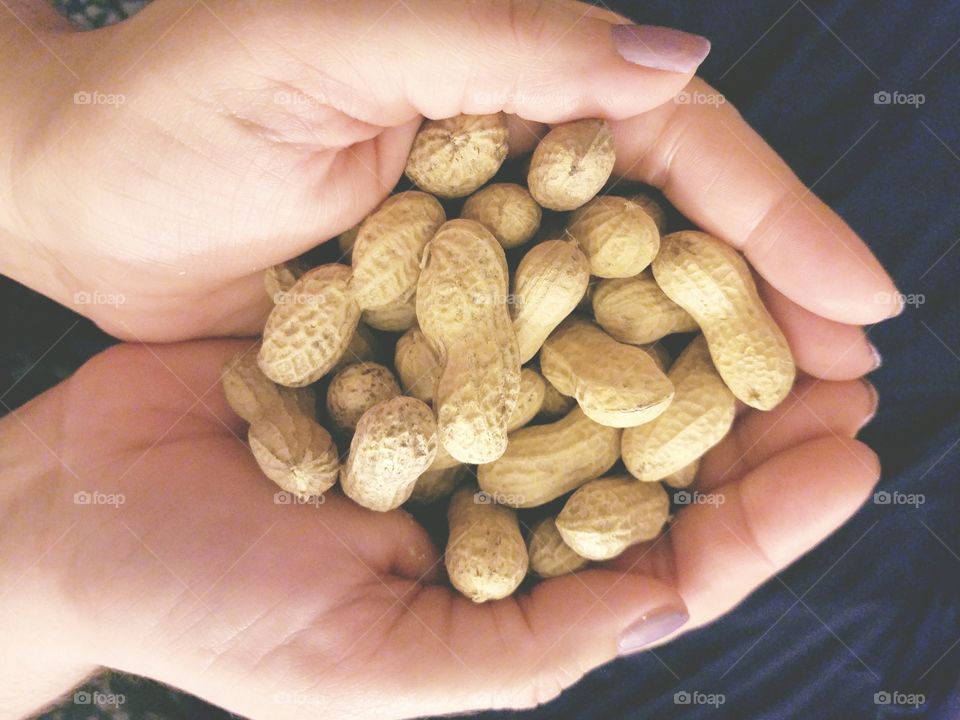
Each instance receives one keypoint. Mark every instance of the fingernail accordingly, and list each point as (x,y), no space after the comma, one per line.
(874,403)
(877,358)
(901,305)
(651,627)
(660,47)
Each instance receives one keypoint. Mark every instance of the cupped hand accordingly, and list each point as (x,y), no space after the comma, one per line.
(176,561)
(223,137)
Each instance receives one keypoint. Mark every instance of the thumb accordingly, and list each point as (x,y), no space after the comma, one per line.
(545,61)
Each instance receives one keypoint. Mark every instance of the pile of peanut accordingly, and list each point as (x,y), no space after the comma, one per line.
(515,383)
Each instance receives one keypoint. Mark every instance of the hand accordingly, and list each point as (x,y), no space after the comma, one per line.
(183,568)
(250,132)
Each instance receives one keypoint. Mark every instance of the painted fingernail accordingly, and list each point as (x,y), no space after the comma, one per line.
(901,303)
(877,358)
(651,627)
(874,403)
(660,47)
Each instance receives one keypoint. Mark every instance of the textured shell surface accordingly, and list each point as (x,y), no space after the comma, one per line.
(388,248)
(606,516)
(394,444)
(635,310)
(712,282)
(416,364)
(571,164)
(614,383)
(507,210)
(251,394)
(308,332)
(486,558)
(550,556)
(462,311)
(699,417)
(396,317)
(617,236)
(455,156)
(542,462)
(357,388)
(549,282)
(294,451)
(529,400)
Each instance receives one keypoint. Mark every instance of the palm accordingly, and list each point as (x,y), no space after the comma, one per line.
(296,605)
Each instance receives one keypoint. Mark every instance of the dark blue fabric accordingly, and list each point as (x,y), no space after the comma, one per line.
(876,607)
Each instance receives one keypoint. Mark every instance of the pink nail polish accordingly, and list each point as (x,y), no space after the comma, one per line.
(874,403)
(651,627)
(660,48)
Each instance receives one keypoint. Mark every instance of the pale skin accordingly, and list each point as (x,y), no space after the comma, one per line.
(178,198)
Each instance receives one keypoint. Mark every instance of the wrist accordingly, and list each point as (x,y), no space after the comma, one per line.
(34,75)
(43,644)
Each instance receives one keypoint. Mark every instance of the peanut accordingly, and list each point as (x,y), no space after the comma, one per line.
(416,364)
(606,516)
(548,284)
(394,444)
(571,164)
(280,278)
(507,210)
(388,248)
(486,558)
(617,236)
(652,208)
(635,310)
(396,317)
(700,415)
(294,451)
(684,477)
(436,485)
(712,282)
(454,157)
(529,399)
(461,306)
(307,334)
(251,393)
(615,384)
(555,404)
(357,388)
(549,555)
(542,462)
